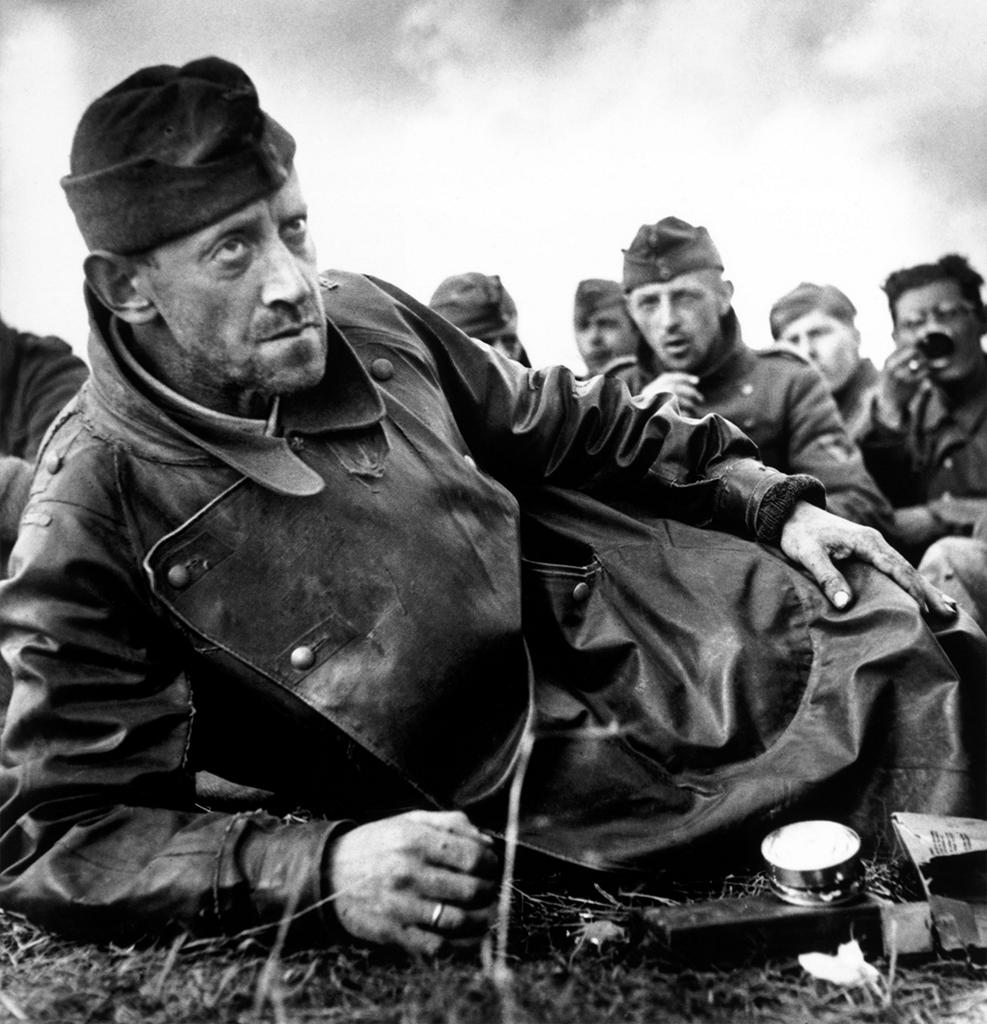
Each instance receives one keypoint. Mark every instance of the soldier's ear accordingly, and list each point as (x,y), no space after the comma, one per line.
(726,295)
(117,282)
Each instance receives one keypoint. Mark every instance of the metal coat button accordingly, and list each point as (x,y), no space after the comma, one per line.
(302,657)
(53,463)
(748,423)
(470,461)
(747,389)
(382,369)
(580,592)
(948,463)
(178,576)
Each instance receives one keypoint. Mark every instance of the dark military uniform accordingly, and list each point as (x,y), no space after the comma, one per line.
(37,377)
(938,460)
(784,406)
(940,452)
(853,399)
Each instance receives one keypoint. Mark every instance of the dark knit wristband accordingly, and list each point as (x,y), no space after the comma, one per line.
(780,500)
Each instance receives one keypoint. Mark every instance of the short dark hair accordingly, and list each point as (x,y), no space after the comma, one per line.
(951,267)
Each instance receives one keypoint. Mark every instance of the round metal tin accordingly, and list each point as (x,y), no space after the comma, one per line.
(814,863)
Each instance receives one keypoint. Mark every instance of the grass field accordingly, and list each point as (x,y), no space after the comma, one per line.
(570,959)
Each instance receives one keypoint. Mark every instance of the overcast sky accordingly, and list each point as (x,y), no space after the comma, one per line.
(826,140)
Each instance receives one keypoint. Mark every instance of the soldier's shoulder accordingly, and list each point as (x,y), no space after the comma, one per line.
(781,351)
(621,367)
(360,301)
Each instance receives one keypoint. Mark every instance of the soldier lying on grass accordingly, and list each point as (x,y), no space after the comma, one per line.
(278,538)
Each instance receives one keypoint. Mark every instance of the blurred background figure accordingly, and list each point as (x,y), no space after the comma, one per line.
(925,437)
(38,375)
(682,304)
(480,306)
(818,321)
(605,335)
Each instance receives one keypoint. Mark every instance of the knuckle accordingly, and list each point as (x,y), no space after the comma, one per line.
(471,858)
(874,539)
(453,918)
(473,888)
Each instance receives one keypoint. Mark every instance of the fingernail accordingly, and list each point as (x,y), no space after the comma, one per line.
(841,599)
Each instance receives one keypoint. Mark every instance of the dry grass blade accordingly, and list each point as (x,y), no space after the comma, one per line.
(11,1007)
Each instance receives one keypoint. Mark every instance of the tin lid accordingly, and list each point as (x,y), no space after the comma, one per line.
(814,862)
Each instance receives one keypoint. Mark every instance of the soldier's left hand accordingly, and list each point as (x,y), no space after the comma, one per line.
(816,539)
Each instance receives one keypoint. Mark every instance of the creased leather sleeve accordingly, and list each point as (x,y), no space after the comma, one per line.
(99,834)
(546,425)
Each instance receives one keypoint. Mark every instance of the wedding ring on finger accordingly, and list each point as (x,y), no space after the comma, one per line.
(436,915)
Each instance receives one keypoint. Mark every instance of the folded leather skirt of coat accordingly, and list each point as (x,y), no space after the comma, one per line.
(695,689)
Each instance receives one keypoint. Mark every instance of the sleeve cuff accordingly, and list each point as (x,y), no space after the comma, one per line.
(282,865)
(756,500)
(779,501)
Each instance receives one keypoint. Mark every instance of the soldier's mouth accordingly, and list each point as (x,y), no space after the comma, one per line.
(675,346)
(292,331)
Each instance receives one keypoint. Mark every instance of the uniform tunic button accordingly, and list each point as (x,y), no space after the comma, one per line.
(748,423)
(382,369)
(178,576)
(580,592)
(53,463)
(948,463)
(470,461)
(747,389)
(302,657)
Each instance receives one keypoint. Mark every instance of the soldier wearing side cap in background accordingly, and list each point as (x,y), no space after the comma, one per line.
(480,306)
(925,433)
(605,337)
(278,538)
(692,348)
(817,320)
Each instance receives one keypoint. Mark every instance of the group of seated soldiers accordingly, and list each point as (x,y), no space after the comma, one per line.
(903,448)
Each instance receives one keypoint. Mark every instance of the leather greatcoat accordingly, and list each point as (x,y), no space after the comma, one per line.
(354,616)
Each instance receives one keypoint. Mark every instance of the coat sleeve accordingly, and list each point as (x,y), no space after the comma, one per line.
(548,426)
(100,836)
(819,445)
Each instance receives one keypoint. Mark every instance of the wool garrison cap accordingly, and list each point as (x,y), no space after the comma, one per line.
(664,250)
(170,151)
(478,304)
(594,294)
(805,298)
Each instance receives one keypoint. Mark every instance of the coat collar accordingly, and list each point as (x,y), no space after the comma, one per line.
(346,399)
(728,355)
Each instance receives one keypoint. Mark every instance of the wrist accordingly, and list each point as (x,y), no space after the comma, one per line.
(780,502)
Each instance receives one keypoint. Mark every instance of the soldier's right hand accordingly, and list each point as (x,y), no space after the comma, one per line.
(903,374)
(425,881)
(685,387)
